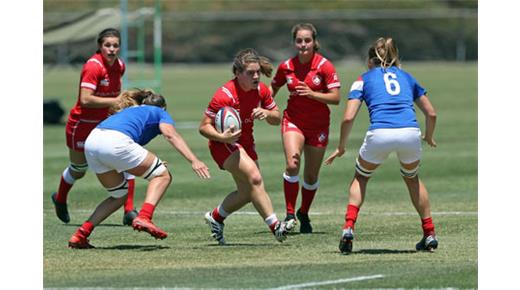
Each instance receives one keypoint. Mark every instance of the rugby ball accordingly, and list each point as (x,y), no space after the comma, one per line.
(226,117)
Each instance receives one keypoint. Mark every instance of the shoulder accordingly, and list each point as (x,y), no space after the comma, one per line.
(94,63)
(322,63)
(288,64)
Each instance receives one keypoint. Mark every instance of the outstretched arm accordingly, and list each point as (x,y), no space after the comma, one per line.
(180,145)
(350,114)
(430,118)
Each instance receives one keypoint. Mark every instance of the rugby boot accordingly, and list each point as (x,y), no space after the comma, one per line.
(345,243)
(144,224)
(61,209)
(129,217)
(290,222)
(217,229)
(79,241)
(427,243)
(305,222)
(280,231)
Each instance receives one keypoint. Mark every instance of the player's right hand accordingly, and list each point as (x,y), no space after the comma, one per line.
(231,135)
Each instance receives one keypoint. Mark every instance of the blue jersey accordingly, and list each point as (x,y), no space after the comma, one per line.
(141,123)
(389,95)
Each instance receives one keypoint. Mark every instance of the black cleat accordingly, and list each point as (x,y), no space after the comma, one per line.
(61,209)
(427,243)
(345,243)
(305,222)
(129,217)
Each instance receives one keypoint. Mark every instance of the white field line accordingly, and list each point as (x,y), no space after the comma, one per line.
(195,213)
(330,282)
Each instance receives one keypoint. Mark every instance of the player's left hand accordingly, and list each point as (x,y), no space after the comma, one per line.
(337,153)
(200,169)
(259,113)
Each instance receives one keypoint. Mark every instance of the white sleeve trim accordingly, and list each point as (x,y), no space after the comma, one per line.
(334,85)
(357,86)
(88,85)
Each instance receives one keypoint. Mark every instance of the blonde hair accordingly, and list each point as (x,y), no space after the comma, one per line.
(384,53)
(309,27)
(249,55)
(131,98)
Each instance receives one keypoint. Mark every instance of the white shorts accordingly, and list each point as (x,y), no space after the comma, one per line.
(107,150)
(379,143)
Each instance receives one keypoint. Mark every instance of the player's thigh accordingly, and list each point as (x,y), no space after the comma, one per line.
(242,167)
(111,179)
(313,160)
(293,143)
(145,165)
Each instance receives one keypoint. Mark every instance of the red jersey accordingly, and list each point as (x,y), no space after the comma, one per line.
(104,80)
(244,102)
(320,75)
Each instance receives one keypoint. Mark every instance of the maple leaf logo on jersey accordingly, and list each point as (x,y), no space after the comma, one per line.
(316,80)
(104,83)
(322,137)
(289,80)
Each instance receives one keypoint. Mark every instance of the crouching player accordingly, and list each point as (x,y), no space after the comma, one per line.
(115,147)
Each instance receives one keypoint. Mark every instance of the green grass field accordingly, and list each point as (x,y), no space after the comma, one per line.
(387,227)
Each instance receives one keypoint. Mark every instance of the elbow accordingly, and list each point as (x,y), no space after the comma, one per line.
(348,119)
(432,115)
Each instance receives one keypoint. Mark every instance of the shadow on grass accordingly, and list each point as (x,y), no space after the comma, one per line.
(382,251)
(144,248)
(235,245)
(98,226)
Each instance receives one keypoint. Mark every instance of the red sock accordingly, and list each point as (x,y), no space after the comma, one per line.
(290,190)
(307,197)
(427,226)
(86,229)
(129,202)
(351,216)
(63,191)
(147,210)
(216,216)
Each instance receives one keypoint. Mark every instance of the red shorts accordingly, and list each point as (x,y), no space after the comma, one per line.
(77,132)
(314,137)
(221,152)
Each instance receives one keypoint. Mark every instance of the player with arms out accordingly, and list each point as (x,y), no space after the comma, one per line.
(115,146)
(234,150)
(100,85)
(313,85)
(389,93)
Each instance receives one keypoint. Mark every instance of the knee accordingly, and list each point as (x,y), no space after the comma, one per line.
(293,165)
(255,179)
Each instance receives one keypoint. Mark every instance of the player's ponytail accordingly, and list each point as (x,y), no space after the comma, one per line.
(137,97)
(384,53)
(249,55)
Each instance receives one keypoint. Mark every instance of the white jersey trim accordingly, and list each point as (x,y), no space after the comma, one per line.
(323,60)
(228,93)
(334,85)
(96,61)
(88,85)
(357,86)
